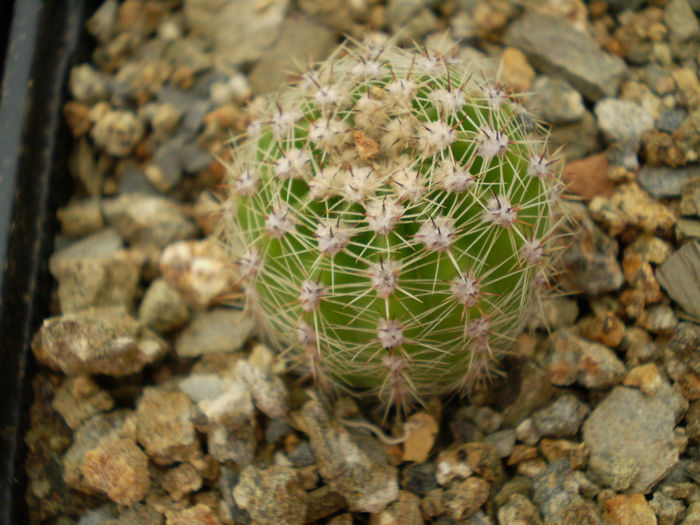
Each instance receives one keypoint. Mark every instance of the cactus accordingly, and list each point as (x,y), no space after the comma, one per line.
(391,215)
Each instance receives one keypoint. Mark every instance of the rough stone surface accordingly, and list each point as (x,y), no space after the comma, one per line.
(103,340)
(629,509)
(214,331)
(680,277)
(162,307)
(240,30)
(78,399)
(630,439)
(519,511)
(561,418)
(556,101)
(273,495)
(366,485)
(622,120)
(662,182)
(555,47)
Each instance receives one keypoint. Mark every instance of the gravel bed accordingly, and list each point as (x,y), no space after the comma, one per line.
(156,403)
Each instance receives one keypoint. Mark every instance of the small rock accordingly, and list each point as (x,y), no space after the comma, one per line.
(200,270)
(629,206)
(118,468)
(578,139)
(81,218)
(101,340)
(562,418)
(240,30)
(687,136)
(659,319)
(421,438)
(117,132)
(575,453)
(629,509)
(516,73)
(269,392)
(200,514)
(410,18)
(518,511)
(645,377)
(273,495)
(685,344)
(663,182)
(503,440)
(680,276)
(622,120)
(692,515)
(630,439)
(652,249)
(681,21)
(687,230)
(555,47)
(165,169)
(83,282)
(148,221)
(554,490)
(181,480)
(592,262)
(404,511)
(668,510)
(661,150)
(690,197)
(556,101)
(464,498)
(214,331)
(302,41)
(670,120)
(164,426)
(588,177)
(527,433)
(367,486)
(162,308)
(419,478)
(87,85)
(605,328)
(78,399)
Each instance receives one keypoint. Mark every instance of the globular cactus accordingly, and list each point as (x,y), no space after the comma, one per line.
(391,216)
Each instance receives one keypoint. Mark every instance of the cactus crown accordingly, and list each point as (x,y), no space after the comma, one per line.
(391,215)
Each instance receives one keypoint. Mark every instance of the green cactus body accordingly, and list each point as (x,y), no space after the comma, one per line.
(390,215)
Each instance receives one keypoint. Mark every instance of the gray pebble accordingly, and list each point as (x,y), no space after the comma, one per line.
(194,158)
(554,47)
(165,170)
(88,85)
(553,491)
(687,229)
(132,179)
(680,277)
(162,308)
(630,439)
(577,139)
(302,455)
(503,440)
(273,495)
(419,478)
(622,120)
(214,331)
(276,430)
(681,21)
(556,101)
(663,182)
(669,120)
(562,418)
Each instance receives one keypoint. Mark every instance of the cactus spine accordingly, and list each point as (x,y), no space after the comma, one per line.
(391,216)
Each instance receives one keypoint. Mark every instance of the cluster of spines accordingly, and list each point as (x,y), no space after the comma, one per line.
(393,215)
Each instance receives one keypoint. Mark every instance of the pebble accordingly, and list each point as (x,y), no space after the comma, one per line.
(302,40)
(554,47)
(660,149)
(82,217)
(181,480)
(83,282)
(630,439)
(592,262)
(556,101)
(269,392)
(629,509)
(667,510)
(652,249)
(200,270)
(588,177)
(690,197)
(503,440)
(681,21)
(630,206)
(680,277)
(164,426)
(659,319)
(101,340)
(663,182)
(239,30)
(148,221)
(272,495)
(410,19)
(622,120)
(574,359)
(516,73)
(576,140)
(685,344)
(646,377)
(670,120)
(464,498)
(87,85)
(165,169)
(421,438)
(117,132)
(366,485)
(605,328)
(687,135)
(78,399)
(554,490)
(132,179)
(162,308)
(404,511)
(214,331)
(687,230)
(419,478)
(119,468)
(562,418)
(518,510)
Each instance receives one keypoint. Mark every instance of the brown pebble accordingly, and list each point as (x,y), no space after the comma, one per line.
(588,177)
(629,509)
(646,377)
